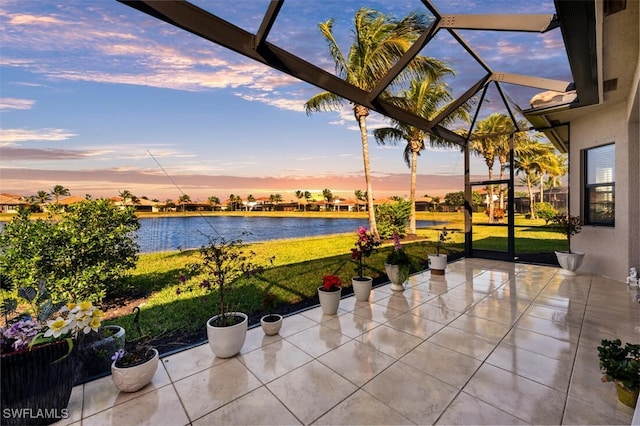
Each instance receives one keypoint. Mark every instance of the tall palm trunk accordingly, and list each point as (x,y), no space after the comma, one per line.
(503,165)
(361,113)
(531,202)
(415,147)
(490,195)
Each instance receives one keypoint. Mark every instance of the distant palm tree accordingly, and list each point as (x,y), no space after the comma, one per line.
(213,200)
(42,197)
(554,169)
(299,195)
(307,197)
(59,191)
(379,42)
(183,200)
(425,98)
(539,157)
(328,196)
(360,196)
(125,195)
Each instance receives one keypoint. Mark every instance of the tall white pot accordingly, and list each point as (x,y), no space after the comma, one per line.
(437,263)
(397,275)
(329,300)
(362,288)
(570,262)
(226,342)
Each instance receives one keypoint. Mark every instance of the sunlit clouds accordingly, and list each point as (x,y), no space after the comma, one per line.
(13,103)
(14,136)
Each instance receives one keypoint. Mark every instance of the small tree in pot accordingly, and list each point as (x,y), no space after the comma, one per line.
(222,263)
(569,226)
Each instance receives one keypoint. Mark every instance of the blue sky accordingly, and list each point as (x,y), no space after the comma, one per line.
(94,94)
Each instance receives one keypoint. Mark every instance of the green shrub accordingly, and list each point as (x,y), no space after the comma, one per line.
(545,211)
(83,253)
(393,217)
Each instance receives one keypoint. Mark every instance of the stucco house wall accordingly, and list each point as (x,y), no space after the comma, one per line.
(608,249)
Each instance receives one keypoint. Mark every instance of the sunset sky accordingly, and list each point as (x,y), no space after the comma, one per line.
(99,97)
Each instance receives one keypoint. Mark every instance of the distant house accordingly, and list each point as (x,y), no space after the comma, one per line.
(10,203)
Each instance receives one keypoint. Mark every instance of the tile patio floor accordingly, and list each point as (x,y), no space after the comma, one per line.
(489,343)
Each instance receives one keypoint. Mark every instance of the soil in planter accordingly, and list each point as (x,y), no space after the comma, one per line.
(226,321)
(271,318)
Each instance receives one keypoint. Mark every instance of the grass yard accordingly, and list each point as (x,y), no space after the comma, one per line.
(293,278)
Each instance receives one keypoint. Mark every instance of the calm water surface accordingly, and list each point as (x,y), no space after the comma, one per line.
(179,233)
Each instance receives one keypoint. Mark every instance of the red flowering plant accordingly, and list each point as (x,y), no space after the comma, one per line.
(331,283)
(364,246)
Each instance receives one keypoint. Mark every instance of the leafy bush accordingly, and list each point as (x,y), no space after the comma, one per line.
(545,211)
(393,217)
(83,253)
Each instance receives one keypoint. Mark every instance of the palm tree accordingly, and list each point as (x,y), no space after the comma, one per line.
(59,191)
(379,42)
(299,195)
(425,98)
(183,200)
(489,146)
(307,197)
(538,157)
(554,168)
(360,196)
(42,197)
(328,196)
(125,195)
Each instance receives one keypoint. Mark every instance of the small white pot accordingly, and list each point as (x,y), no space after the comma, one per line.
(132,379)
(329,300)
(397,276)
(226,342)
(362,288)
(437,263)
(570,262)
(271,328)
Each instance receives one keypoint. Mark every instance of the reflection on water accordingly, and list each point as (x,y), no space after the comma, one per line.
(180,233)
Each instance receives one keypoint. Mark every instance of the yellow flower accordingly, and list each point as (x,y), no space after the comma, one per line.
(98,313)
(85,306)
(57,327)
(71,306)
(94,324)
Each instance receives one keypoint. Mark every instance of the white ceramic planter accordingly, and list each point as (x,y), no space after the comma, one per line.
(569,262)
(397,276)
(132,379)
(437,263)
(329,300)
(271,328)
(362,288)
(226,342)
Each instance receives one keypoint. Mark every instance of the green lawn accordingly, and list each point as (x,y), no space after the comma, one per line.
(297,271)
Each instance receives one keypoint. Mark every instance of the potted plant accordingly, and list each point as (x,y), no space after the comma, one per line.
(397,264)
(270,323)
(35,366)
(438,262)
(222,263)
(569,225)
(134,366)
(329,294)
(364,246)
(621,365)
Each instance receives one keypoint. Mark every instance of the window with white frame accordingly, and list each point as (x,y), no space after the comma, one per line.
(600,182)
